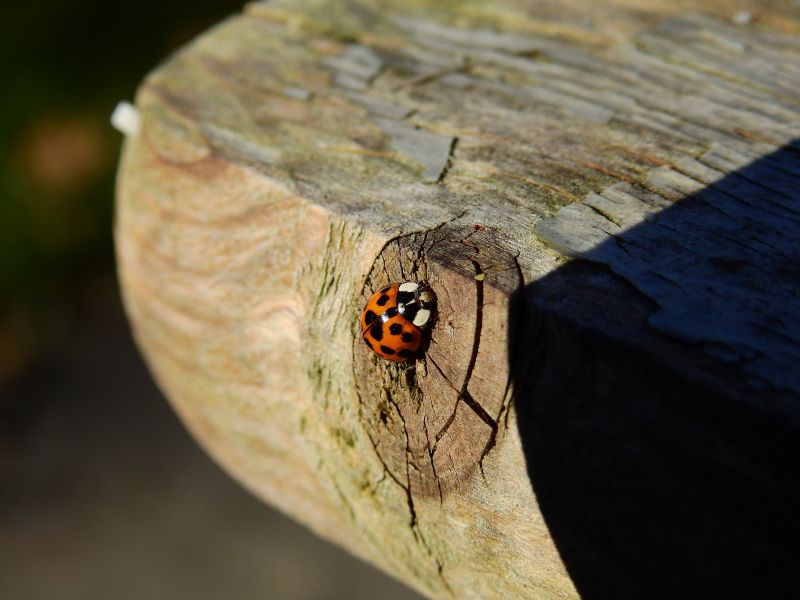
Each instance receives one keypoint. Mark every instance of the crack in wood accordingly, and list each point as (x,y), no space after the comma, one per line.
(463,393)
(452,416)
(409,454)
(430,458)
(449,162)
(424,78)
(414,523)
(393,477)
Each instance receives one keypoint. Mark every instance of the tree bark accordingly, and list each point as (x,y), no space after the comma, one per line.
(603,197)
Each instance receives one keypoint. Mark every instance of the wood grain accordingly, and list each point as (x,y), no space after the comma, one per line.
(618,175)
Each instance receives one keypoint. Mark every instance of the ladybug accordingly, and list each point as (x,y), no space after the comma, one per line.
(394,321)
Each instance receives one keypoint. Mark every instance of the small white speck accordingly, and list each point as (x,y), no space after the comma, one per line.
(126,119)
(742,18)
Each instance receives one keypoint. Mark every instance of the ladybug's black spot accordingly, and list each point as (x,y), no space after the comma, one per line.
(366,341)
(369,317)
(383,300)
(395,329)
(405,353)
(410,311)
(376,331)
(387,350)
(405,297)
(390,312)
(407,337)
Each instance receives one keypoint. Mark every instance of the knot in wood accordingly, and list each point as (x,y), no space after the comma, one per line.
(432,422)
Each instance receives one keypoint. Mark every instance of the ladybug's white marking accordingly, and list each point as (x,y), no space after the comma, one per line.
(422,317)
(409,286)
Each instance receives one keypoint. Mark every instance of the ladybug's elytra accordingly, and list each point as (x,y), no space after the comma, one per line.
(394,320)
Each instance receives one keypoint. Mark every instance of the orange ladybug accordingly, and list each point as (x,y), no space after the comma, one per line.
(394,321)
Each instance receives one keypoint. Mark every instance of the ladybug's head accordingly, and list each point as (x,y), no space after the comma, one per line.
(416,303)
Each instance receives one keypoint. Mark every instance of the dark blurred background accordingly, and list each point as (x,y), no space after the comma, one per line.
(102,492)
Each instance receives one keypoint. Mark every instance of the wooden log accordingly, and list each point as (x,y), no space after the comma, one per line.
(604,198)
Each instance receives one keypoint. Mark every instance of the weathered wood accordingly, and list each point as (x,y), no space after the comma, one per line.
(604,198)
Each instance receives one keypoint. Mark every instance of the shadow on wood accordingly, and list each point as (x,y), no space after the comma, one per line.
(672,472)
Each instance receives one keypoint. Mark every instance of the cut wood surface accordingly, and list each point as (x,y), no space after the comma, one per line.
(603,197)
